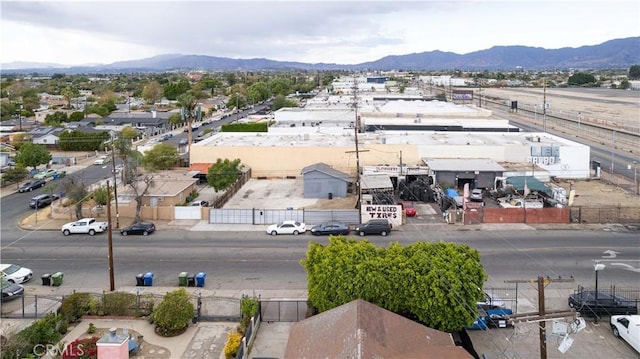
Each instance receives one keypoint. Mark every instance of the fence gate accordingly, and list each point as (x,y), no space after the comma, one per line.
(283,310)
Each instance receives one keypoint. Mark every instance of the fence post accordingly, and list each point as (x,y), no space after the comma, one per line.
(23,306)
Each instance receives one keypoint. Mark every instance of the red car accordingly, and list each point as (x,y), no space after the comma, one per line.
(408,208)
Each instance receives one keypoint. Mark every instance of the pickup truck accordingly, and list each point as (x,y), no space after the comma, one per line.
(86,225)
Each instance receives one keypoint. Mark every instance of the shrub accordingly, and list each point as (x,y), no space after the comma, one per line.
(193,195)
(76,305)
(118,303)
(41,332)
(91,329)
(173,314)
(249,306)
(234,339)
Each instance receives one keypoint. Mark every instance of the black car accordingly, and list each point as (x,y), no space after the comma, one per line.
(42,200)
(143,228)
(607,304)
(10,290)
(31,185)
(374,226)
(333,227)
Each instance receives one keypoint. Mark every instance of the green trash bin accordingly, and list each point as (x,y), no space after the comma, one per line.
(56,279)
(182,279)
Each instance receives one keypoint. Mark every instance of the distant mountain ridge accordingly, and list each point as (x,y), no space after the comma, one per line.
(613,54)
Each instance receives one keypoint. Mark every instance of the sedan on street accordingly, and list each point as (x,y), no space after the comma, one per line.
(143,228)
(15,273)
(10,290)
(333,227)
(287,227)
(31,185)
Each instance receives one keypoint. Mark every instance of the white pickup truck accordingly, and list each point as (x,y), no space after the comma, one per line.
(86,225)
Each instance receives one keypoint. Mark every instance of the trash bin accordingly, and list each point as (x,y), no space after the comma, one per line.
(200,279)
(148,279)
(46,279)
(56,279)
(330,195)
(182,279)
(139,279)
(191,280)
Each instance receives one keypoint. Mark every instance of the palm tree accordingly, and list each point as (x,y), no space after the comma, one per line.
(188,103)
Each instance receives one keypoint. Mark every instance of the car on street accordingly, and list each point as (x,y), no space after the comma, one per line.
(200,204)
(408,208)
(586,303)
(332,227)
(31,185)
(10,290)
(143,228)
(42,200)
(374,226)
(45,174)
(85,226)
(490,301)
(183,142)
(15,273)
(101,160)
(627,327)
(287,227)
(476,195)
(118,168)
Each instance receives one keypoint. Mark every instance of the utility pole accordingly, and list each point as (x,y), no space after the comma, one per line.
(541,315)
(112,282)
(544,104)
(115,181)
(357,129)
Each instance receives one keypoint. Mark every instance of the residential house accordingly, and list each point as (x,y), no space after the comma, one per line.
(48,136)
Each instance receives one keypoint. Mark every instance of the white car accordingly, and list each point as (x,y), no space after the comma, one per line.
(101,160)
(86,226)
(287,227)
(15,274)
(627,327)
(45,174)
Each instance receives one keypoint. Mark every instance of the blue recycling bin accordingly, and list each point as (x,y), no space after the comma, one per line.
(148,279)
(200,279)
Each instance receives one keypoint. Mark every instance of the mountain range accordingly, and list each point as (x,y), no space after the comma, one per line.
(613,54)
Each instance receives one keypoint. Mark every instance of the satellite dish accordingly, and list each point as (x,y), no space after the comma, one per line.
(565,344)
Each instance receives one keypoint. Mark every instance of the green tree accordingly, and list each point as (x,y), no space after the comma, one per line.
(581,79)
(624,84)
(33,155)
(69,93)
(75,192)
(223,174)
(56,119)
(76,116)
(188,104)
(128,133)
(101,196)
(634,72)
(174,89)
(175,120)
(7,110)
(436,283)
(152,92)
(280,101)
(15,174)
(162,156)
(174,313)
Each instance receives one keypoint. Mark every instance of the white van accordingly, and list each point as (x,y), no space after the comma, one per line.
(627,327)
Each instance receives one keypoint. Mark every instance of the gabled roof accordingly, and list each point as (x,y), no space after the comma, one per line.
(326,169)
(45,131)
(360,329)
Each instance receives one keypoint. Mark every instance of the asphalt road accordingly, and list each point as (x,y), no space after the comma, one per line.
(255,260)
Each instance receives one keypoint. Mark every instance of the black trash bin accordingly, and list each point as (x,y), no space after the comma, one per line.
(191,280)
(46,279)
(140,279)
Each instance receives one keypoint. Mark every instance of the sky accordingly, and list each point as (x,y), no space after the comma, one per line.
(73,32)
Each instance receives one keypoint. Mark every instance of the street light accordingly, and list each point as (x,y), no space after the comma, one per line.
(597,267)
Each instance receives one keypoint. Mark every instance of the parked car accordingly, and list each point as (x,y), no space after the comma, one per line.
(10,290)
(31,185)
(333,227)
(101,160)
(607,304)
(42,200)
(86,225)
(200,204)
(408,208)
(627,327)
(45,174)
(490,301)
(183,142)
(374,226)
(476,195)
(15,273)
(287,227)
(143,228)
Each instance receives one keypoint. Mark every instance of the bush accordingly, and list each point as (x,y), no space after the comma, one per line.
(234,340)
(249,306)
(76,305)
(193,195)
(41,332)
(118,303)
(174,313)
(81,349)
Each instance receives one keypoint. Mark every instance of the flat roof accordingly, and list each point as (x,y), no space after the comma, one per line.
(462,164)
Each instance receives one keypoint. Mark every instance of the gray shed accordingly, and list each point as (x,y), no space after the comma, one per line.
(322,181)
